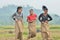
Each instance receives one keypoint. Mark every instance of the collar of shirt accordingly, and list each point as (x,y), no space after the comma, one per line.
(19,14)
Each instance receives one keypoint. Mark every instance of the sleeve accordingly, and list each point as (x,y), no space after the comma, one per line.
(50,18)
(39,18)
(22,15)
(13,16)
(35,15)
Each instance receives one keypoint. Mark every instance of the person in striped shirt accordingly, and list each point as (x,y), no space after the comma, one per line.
(18,18)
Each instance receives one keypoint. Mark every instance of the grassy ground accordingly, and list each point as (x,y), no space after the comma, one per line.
(8,33)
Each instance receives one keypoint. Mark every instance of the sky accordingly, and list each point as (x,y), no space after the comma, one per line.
(53,5)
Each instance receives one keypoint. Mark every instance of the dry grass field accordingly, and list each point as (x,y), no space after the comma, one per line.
(8,33)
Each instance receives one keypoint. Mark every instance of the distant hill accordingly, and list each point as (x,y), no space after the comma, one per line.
(6,13)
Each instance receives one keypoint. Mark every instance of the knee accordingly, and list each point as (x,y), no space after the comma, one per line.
(20,32)
(33,35)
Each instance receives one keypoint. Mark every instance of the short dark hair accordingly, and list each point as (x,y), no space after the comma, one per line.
(31,9)
(44,8)
(19,8)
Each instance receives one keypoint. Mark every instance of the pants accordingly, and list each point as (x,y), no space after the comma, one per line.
(45,31)
(32,29)
(19,30)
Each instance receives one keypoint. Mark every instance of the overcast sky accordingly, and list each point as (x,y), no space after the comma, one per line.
(53,5)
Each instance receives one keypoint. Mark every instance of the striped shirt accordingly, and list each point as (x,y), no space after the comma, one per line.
(17,16)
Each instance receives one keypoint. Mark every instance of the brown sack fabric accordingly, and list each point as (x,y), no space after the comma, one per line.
(19,30)
(32,29)
(45,31)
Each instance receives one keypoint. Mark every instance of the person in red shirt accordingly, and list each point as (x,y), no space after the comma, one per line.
(31,19)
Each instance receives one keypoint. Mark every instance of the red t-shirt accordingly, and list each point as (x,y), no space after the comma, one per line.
(32,17)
